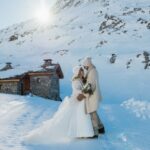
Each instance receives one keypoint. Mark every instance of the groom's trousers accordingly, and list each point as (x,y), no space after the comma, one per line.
(96,122)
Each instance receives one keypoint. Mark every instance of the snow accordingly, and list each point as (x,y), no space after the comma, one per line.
(140,108)
(20,114)
(73,35)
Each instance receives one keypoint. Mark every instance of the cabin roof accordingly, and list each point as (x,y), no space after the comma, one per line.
(16,78)
(54,68)
(47,71)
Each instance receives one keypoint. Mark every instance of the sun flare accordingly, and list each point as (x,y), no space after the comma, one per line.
(43,14)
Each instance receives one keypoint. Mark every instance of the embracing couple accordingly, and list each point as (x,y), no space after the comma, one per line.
(77,115)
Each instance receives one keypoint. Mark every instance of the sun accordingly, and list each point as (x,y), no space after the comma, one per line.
(43,14)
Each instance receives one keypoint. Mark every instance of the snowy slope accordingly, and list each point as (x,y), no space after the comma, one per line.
(93,28)
(19,115)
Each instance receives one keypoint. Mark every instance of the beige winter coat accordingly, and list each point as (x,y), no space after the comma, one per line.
(92,101)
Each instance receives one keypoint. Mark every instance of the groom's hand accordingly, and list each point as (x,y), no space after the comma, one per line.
(80,97)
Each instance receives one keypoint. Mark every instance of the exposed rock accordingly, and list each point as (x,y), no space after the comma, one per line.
(148,25)
(134,10)
(57,37)
(62,52)
(145,22)
(13,37)
(142,21)
(71,42)
(77,3)
(101,43)
(125,31)
(138,55)
(146,54)
(128,63)
(81,27)
(111,23)
(62,4)
(113,58)
(147,59)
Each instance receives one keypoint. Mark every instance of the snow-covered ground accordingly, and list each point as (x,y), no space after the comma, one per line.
(96,29)
(124,130)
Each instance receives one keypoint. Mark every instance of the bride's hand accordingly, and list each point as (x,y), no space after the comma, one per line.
(80,97)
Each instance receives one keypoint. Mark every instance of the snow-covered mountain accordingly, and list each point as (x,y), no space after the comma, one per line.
(62,4)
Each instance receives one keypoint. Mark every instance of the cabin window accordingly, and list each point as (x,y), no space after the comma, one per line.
(38,80)
(0,86)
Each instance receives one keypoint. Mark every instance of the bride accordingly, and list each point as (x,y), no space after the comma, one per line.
(70,121)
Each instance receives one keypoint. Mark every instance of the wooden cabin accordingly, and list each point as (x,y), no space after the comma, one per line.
(15,85)
(44,83)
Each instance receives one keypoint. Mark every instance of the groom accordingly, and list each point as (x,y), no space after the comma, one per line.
(91,91)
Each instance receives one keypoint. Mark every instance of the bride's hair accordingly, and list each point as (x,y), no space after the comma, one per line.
(75,78)
(76,75)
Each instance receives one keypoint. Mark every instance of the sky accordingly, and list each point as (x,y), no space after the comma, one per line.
(16,11)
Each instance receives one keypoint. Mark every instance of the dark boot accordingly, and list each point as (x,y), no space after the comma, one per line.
(101,130)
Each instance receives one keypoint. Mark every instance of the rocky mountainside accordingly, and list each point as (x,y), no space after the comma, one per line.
(61,4)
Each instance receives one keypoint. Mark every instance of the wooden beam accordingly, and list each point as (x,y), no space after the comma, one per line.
(39,73)
(9,80)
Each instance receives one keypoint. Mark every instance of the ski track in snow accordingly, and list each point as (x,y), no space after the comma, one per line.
(18,116)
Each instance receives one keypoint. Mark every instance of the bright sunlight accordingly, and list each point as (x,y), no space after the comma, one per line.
(43,14)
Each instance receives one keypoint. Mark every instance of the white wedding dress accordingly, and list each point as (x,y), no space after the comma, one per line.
(70,121)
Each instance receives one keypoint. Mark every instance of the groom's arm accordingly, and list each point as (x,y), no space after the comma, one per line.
(92,79)
(90,86)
